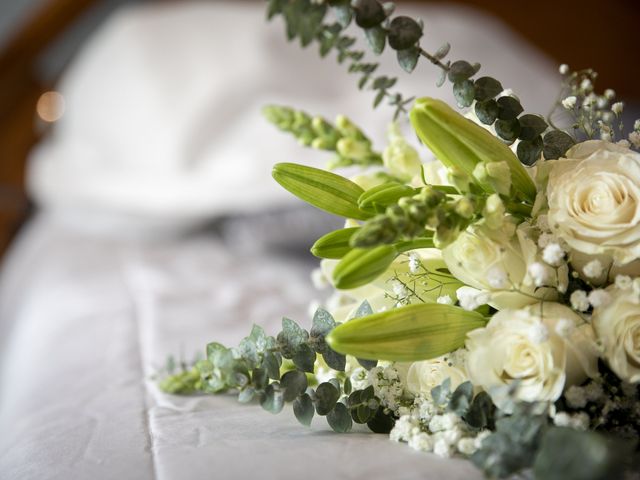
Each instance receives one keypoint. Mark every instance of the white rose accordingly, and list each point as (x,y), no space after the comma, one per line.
(495,261)
(545,347)
(594,200)
(426,375)
(617,326)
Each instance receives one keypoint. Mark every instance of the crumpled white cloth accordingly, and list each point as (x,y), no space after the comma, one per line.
(162,127)
(93,320)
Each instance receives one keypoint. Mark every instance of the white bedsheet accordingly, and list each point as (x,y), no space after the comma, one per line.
(94,317)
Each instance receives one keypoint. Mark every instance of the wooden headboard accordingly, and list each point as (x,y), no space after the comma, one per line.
(585,33)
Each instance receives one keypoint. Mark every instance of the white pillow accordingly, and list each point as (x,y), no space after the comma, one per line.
(163,126)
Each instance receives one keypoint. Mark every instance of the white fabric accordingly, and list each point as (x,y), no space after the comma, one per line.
(163,127)
(95,318)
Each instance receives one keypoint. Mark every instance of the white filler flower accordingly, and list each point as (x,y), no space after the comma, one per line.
(524,346)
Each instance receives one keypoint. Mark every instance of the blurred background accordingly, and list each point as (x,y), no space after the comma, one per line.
(39,39)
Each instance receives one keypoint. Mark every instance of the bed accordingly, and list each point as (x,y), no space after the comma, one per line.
(158,229)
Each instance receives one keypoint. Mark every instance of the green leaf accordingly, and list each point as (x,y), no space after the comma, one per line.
(378,98)
(414,332)
(339,419)
(376,37)
(347,386)
(334,244)
(303,409)
(404,33)
(304,358)
(273,399)
(335,360)
(260,378)
(294,383)
(362,265)
(460,70)
(443,51)
(529,152)
(464,91)
(568,454)
(487,88)
(271,363)
(363,310)
(324,190)
(556,144)
(322,323)
(508,130)
(487,111)
(343,13)
(381,422)
(291,337)
(481,412)
(369,13)
(362,414)
(246,395)
(461,399)
(408,58)
(458,142)
(440,394)
(532,126)
(510,108)
(326,397)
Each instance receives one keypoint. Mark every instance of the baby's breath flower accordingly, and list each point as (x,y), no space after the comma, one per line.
(579,301)
(598,298)
(623,282)
(553,254)
(564,69)
(445,300)
(586,85)
(570,102)
(414,262)
(538,273)
(636,125)
(593,269)
(634,138)
(609,94)
(617,108)
(498,278)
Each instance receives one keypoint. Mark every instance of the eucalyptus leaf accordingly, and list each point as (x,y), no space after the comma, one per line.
(271,363)
(369,13)
(460,70)
(347,386)
(291,337)
(443,51)
(440,393)
(461,399)
(259,378)
(303,409)
(404,33)
(464,92)
(556,144)
(376,36)
(273,399)
(343,13)
(481,412)
(294,383)
(529,152)
(487,88)
(381,422)
(508,130)
(246,395)
(363,310)
(532,126)
(334,360)
(510,108)
(304,358)
(487,111)
(339,419)
(408,58)
(326,397)
(324,190)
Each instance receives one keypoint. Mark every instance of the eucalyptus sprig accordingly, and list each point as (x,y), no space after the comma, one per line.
(278,370)
(307,21)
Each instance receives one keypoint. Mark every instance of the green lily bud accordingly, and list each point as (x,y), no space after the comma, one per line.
(360,266)
(352,148)
(348,129)
(411,333)
(334,244)
(493,212)
(499,177)
(465,208)
(459,179)
(458,142)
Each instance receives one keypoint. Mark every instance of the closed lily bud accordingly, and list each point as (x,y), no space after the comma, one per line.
(360,266)
(460,143)
(414,332)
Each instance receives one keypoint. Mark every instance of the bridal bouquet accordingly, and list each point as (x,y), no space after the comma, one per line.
(487,304)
